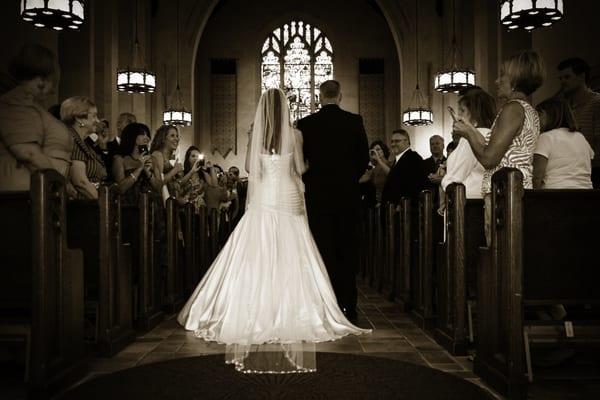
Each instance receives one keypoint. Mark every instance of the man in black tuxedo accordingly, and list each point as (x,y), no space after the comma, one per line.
(407,176)
(337,152)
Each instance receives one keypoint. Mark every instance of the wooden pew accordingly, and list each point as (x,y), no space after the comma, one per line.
(176,260)
(213,239)
(202,241)
(457,267)
(422,299)
(544,251)
(378,250)
(370,246)
(390,239)
(95,227)
(402,282)
(192,251)
(140,225)
(41,288)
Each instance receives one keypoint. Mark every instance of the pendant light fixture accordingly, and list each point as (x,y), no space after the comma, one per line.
(418,114)
(136,79)
(530,14)
(54,14)
(177,113)
(454,78)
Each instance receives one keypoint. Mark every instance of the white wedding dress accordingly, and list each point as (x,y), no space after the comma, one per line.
(267,295)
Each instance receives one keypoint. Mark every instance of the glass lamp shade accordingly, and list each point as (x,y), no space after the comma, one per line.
(179,116)
(53,14)
(417,117)
(530,14)
(135,80)
(454,80)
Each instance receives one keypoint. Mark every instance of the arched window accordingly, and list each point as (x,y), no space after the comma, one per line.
(297,58)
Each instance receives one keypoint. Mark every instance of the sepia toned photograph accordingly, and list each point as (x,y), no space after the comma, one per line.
(317,199)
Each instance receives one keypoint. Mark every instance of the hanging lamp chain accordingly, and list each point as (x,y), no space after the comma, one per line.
(417,39)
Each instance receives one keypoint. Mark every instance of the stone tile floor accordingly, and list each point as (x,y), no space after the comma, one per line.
(394,336)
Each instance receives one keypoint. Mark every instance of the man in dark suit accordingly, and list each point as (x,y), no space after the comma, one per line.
(431,166)
(337,152)
(407,176)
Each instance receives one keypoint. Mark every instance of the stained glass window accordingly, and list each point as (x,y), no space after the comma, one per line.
(297,58)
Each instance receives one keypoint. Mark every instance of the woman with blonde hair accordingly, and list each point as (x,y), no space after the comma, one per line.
(515,129)
(87,170)
(163,148)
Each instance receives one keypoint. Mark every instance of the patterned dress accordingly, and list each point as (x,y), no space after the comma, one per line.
(520,152)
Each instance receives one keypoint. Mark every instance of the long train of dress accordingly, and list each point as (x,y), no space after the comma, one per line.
(267,295)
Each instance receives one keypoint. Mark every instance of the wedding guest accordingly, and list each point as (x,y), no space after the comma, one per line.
(133,170)
(217,194)
(195,178)
(374,178)
(562,158)
(240,189)
(574,75)
(87,170)
(479,108)
(123,120)
(163,150)
(98,141)
(30,137)
(407,175)
(515,129)
(431,164)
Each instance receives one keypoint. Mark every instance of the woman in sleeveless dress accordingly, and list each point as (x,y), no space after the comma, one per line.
(514,131)
(267,295)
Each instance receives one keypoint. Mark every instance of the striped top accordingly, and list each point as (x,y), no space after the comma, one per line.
(94,166)
(587,115)
(520,152)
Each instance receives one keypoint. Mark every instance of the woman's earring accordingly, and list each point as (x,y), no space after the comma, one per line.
(81,124)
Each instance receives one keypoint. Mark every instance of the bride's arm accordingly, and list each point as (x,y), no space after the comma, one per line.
(299,163)
(248,149)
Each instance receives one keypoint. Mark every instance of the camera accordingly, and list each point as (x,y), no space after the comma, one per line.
(143,149)
(201,161)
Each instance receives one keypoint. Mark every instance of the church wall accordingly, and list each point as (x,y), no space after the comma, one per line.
(237,30)
(575,36)
(14,34)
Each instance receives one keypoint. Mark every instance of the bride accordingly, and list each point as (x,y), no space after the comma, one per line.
(267,295)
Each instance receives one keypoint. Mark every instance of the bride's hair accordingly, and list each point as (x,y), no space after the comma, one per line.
(275,117)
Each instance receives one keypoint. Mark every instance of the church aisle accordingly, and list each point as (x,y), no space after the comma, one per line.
(395,336)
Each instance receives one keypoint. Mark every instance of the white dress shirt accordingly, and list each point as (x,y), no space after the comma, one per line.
(400,155)
(462,167)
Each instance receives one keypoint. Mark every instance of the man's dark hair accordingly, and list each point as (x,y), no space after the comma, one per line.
(578,65)
(403,132)
(330,89)
(31,61)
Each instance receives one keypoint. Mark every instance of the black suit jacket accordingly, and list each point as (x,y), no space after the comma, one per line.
(406,178)
(337,151)
(431,166)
